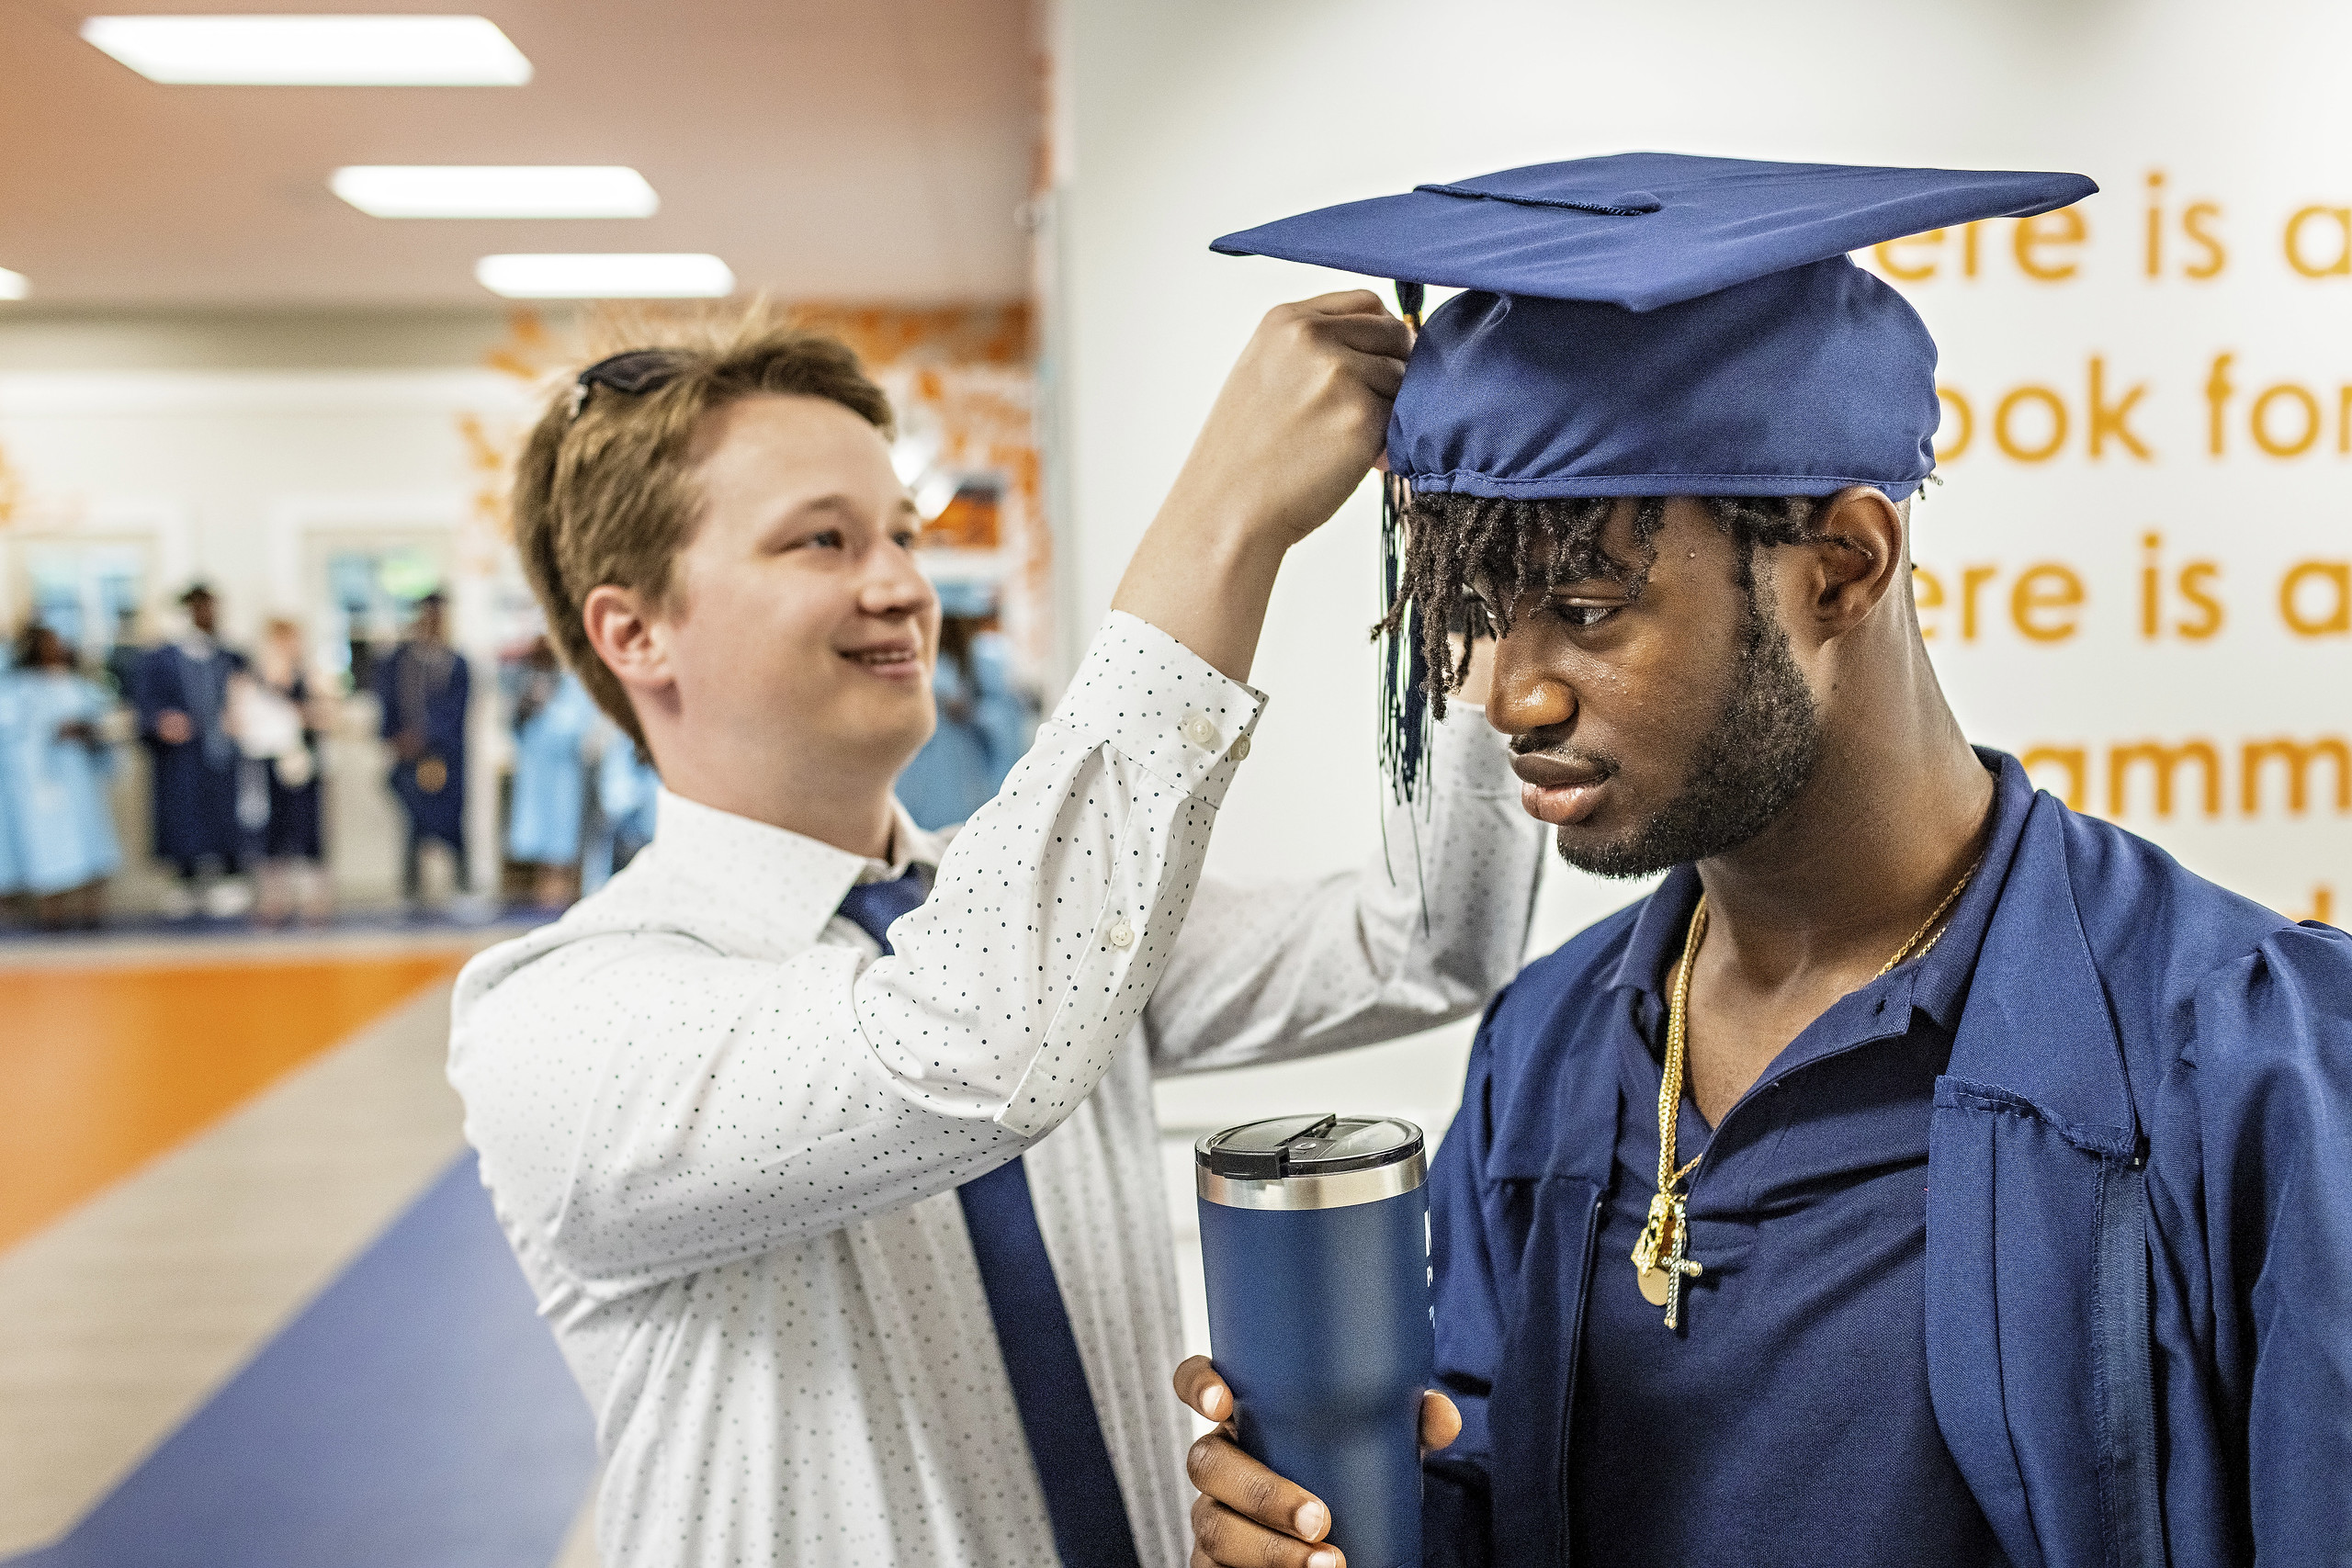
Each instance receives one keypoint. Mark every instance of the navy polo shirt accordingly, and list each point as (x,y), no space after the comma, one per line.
(1787,1420)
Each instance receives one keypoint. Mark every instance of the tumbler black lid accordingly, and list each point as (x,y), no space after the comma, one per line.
(1307,1145)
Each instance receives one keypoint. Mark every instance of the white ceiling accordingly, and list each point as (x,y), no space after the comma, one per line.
(868,150)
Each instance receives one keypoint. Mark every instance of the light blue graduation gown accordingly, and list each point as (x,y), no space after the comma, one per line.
(550,780)
(57,789)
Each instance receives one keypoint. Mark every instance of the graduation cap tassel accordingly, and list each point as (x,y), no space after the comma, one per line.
(1404,723)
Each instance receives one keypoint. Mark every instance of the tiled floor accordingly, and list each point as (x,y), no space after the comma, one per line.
(197,1140)
(201,1134)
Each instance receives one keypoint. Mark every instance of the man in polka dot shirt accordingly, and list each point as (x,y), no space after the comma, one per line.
(762,1154)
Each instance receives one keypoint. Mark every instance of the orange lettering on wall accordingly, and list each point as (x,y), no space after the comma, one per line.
(2193,579)
(2333,579)
(2217,397)
(2298,756)
(2050,231)
(2336,224)
(2166,761)
(2194,223)
(2040,590)
(2307,427)
(2323,906)
(1920,271)
(1973,578)
(2077,793)
(2114,420)
(2007,440)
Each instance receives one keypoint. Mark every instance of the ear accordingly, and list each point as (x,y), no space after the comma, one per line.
(628,638)
(1846,568)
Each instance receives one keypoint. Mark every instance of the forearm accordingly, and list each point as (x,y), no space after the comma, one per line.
(1420,934)
(713,1107)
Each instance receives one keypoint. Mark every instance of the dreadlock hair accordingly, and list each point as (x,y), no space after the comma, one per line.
(1509,547)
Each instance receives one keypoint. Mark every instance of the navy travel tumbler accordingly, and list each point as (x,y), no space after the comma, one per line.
(1315,1238)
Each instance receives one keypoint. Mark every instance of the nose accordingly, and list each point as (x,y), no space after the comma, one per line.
(892,583)
(1526,696)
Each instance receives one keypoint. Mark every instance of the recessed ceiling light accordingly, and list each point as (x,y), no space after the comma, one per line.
(388,190)
(313,52)
(14,285)
(606,276)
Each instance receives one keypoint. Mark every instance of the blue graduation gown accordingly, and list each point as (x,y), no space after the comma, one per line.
(550,777)
(64,826)
(2139,1263)
(432,812)
(965,763)
(196,780)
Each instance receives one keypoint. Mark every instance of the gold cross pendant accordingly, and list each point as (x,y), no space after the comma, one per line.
(1661,1257)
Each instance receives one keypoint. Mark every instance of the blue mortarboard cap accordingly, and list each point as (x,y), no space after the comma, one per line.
(1652,324)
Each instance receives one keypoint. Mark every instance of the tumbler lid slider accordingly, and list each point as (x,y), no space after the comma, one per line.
(1288,1161)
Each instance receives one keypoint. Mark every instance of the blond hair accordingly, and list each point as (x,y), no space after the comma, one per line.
(605,492)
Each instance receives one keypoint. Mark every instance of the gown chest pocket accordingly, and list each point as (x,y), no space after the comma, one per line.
(2038,1326)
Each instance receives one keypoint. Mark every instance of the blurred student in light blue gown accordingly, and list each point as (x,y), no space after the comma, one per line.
(553,713)
(984,722)
(12,859)
(54,769)
(626,788)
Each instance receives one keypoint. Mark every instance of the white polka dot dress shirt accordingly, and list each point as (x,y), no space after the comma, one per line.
(723,1133)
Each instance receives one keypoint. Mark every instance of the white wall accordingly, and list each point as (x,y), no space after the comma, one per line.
(1192,119)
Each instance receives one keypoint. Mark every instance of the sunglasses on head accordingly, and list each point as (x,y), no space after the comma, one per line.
(636,372)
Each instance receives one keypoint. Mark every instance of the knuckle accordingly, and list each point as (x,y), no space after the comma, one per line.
(1260,1494)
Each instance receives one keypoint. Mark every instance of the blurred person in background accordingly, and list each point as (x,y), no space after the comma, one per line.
(54,766)
(182,694)
(622,822)
(985,724)
(280,714)
(423,685)
(553,715)
(12,856)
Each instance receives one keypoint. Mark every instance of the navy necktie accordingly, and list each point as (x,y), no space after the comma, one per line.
(1032,1330)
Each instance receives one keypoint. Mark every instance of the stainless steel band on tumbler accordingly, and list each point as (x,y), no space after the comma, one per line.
(1309,1162)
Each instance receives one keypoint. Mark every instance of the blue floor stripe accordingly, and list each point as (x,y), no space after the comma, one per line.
(416,1414)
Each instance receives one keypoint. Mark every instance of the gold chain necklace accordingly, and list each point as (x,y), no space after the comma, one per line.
(1662,1255)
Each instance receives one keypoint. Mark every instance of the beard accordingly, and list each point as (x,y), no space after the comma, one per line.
(1753,759)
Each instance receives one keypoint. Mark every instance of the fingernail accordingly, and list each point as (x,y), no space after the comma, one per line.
(1322,1557)
(1212,1402)
(1312,1521)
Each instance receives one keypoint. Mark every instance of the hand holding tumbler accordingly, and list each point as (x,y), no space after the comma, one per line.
(1315,1240)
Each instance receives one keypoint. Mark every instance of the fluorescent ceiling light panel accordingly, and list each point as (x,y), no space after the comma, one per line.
(14,285)
(422,190)
(606,276)
(313,52)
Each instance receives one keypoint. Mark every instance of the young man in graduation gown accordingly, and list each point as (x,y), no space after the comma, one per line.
(424,688)
(181,693)
(1924,1173)
(828,1147)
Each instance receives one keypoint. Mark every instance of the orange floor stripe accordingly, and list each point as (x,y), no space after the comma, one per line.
(106,1068)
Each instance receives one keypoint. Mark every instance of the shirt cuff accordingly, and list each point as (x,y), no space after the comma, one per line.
(1162,706)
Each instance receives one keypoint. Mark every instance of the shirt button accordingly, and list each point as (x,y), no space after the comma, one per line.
(1201,732)
(1240,748)
(1122,934)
